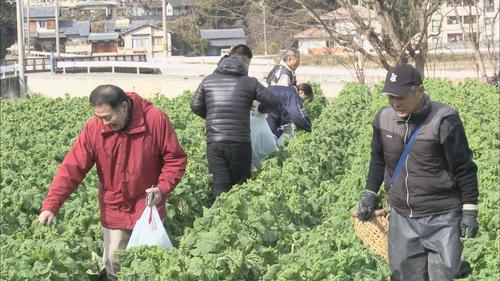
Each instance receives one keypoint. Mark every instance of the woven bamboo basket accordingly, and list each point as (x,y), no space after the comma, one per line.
(374,232)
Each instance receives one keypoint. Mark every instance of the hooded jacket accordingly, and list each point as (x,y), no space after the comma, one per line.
(224,99)
(290,110)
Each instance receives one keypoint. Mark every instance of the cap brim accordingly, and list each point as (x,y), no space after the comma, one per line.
(396,90)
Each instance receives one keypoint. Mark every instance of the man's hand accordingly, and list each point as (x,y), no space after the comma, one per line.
(366,206)
(156,196)
(468,224)
(46,217)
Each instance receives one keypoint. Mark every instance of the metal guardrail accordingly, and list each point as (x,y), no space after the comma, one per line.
(107,64)
(37,64)
(48,54)
(8,69)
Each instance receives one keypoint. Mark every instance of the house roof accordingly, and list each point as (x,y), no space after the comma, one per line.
(41,12)
(140,27)
(110,36)
(227,42)
(48,35)
(222,33)
(173,3)
(313,32)
(93,3)
(73,27)
(176,3)
(110,26)
(343,13)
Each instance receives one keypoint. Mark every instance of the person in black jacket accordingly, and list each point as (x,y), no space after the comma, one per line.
(432,190)
(291,108)
(224,99)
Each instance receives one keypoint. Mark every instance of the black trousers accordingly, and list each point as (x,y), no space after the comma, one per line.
(229,163)
(427,248)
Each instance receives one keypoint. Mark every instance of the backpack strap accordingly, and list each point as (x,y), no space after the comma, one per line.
(404,154)
(272,75)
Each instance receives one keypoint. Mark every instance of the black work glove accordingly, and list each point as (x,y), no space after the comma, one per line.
(366,206)
(468,224)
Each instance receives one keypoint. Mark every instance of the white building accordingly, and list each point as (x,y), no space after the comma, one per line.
(317,40)
(477,18)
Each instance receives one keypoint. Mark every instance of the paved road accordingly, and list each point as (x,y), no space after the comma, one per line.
(178,77)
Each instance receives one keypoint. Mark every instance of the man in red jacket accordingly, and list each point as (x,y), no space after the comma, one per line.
(136,151)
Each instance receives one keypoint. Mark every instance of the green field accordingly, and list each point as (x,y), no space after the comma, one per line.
(291,221)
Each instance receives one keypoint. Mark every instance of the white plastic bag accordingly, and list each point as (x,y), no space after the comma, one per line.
(263,140)
(288,133)
(149,230)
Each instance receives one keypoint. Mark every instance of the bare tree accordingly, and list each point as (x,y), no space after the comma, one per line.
(403,35)
(472,30)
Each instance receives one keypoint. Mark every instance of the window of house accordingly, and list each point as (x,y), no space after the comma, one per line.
(452,20)
(470,19)
(435,24)
(140,42)
(489,5)
(330,44)
(42,24)
(452,3)
(469,2)
(488,21)
(157,40)
(455,37)
(473,36)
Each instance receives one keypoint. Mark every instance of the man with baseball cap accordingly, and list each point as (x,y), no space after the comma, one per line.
(420,152)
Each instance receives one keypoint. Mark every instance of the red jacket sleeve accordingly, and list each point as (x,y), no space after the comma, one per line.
(76,164)
(174,157)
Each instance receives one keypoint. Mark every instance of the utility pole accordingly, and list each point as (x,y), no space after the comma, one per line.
(263,4)
(28,25)
(57,27)
(166,44)
(20,44)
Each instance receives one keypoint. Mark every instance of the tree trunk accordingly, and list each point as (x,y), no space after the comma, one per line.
(360,69)
(420,59)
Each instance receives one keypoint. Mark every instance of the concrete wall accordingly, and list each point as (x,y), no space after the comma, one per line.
(80,85)
(9,87)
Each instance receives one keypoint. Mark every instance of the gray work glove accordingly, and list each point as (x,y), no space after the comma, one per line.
(366,206)
(468,224)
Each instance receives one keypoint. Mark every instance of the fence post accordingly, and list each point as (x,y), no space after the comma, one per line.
(52,63)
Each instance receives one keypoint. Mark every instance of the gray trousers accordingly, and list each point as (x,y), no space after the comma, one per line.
(426,248)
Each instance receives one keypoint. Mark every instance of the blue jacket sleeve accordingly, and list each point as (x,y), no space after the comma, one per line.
(298,115)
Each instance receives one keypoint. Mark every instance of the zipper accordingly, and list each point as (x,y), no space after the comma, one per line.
(406,164)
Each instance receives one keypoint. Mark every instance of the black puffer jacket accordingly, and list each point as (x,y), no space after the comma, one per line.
(224,99)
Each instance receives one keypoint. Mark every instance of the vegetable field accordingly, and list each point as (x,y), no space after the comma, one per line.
(291,221)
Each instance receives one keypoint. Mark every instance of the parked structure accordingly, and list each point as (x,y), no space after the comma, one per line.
(221,39)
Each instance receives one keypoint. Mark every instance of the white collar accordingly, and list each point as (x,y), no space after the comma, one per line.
(283,63)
